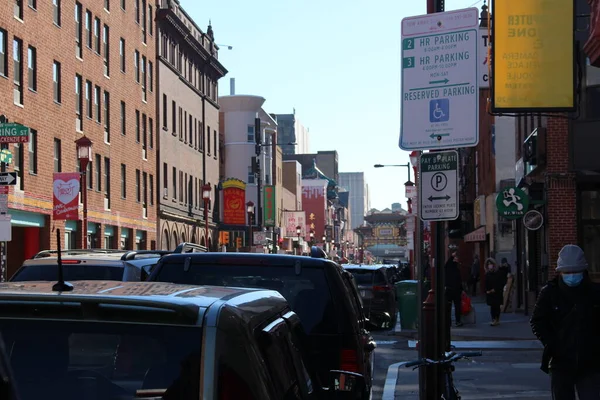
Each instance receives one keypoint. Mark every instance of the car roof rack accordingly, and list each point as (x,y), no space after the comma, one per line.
(132,254)
(54,253)
(187,247)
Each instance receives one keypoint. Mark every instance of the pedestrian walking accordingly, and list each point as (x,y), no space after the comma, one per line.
(474,277)
(504,270)
(566,319)
(454,287)
(494,285)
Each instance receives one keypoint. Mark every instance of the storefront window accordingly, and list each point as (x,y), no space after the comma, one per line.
(590,223)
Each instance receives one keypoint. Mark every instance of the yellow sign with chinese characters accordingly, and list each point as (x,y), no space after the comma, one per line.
(533,55)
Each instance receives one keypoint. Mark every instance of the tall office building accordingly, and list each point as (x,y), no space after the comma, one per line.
(354,182)
(292,136)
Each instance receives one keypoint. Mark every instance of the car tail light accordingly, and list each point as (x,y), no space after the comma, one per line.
(349,360)
(385,288)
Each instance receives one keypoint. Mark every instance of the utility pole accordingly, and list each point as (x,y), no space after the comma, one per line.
(258,140)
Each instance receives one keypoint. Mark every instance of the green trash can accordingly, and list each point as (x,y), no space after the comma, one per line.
(406,298)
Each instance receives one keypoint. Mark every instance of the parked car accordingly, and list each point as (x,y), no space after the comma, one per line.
(96,264)
(322,294)
(377,293)
(122,340)
(7,383)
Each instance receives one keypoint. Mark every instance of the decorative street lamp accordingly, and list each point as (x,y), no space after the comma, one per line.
(250,211)
(312,237)
(206,190)
(84,154)
(298,233)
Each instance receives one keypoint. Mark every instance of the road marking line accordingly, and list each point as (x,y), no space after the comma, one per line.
(391,380)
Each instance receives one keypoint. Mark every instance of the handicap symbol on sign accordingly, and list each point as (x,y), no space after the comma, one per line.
(439,110)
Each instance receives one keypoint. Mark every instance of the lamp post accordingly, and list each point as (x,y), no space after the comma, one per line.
(312,237)
(206,189)
(84,154)
(250,211)
(298,233)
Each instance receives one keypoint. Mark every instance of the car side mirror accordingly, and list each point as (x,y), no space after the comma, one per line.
(346,385)
(370,325)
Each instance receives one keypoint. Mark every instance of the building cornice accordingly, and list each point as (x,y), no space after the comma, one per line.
(208,58)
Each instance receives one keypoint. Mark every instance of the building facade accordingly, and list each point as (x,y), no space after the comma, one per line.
(292,136)
(355,183)
(73,69)
(188,74)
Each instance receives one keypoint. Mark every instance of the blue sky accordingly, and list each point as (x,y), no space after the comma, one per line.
(336,62)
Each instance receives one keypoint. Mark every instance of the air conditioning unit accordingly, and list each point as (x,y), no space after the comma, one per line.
(144,154)
(106,138)
(165,193)
(145,212)
(16,96)
(107,204)
(78,124)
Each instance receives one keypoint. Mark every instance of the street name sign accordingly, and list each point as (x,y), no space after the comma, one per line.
(14,133)
(440,80)
(439,186)
(8,178)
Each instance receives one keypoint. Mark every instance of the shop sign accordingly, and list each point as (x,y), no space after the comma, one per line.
(234,202)
(269,206)
(512,203)
(533,66)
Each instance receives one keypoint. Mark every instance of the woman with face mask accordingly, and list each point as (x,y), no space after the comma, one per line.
(566,319)
(494,284)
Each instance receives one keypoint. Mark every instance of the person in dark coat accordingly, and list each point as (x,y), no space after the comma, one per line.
(474,278)
(494,289)
(504,269)
(453,285)
(566,319)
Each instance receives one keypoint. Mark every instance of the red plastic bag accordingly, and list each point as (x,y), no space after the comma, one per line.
(465,303)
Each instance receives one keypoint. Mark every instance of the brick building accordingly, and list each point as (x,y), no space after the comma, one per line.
(78,68)
(557,164)
(187,76)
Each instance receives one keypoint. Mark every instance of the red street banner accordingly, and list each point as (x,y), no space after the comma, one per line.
(234,202)
(66,196)
(314,202)
(269,206)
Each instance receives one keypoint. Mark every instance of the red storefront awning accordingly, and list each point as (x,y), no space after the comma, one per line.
(478,235)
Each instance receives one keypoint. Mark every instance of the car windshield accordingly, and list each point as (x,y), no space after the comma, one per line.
(72,272)
(102,360)
(368,277)
(307,292)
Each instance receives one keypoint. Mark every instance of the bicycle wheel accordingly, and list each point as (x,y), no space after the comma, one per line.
(451,393)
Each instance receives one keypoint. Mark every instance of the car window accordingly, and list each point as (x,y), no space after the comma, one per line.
(368,277)
(72,272)
(350,284)
(307,292)
(102,360)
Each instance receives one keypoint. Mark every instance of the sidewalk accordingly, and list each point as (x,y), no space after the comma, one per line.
(513,326)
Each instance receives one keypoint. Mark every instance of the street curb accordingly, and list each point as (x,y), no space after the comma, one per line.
(415,336)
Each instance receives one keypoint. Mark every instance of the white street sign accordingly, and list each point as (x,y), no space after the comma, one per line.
(5,230)
(440,80)
(439,186)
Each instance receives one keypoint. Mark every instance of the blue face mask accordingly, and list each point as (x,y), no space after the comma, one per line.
(572,279)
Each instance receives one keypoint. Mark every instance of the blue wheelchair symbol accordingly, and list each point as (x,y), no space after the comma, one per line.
(439,110)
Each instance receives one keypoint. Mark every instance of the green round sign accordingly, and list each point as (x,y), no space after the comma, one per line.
(512,203)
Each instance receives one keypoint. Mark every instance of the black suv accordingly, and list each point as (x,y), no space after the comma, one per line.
(377,293)
(323,295)
(125,340)
(96,264)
